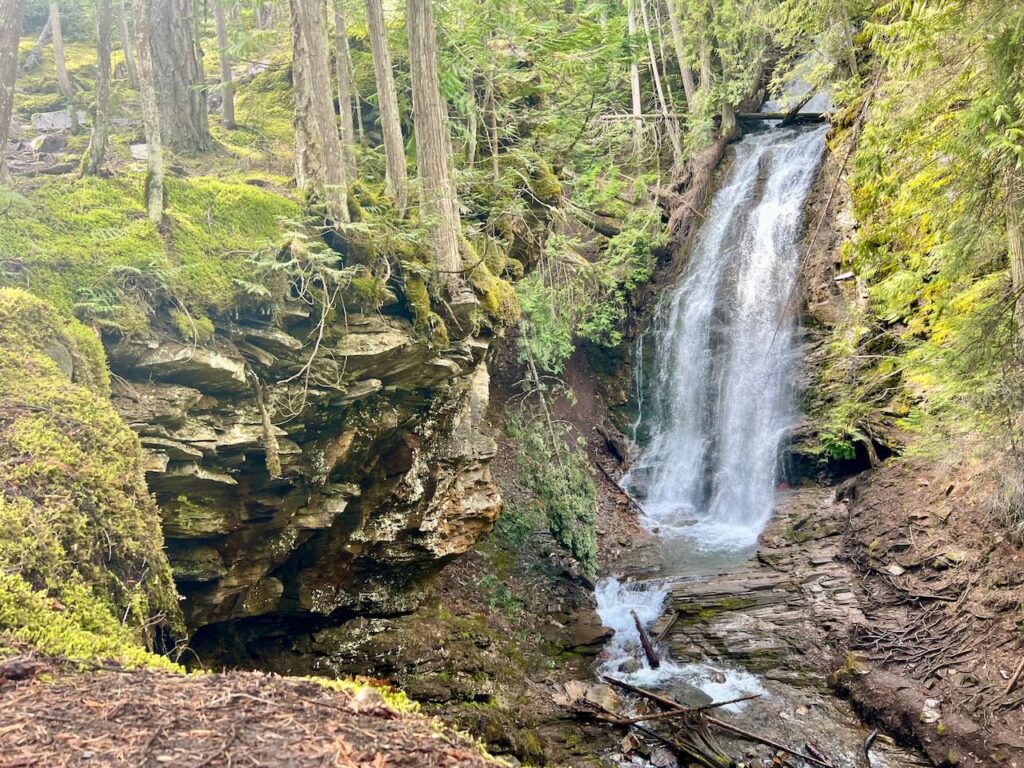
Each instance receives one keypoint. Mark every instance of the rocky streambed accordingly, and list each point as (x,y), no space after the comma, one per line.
(771,622)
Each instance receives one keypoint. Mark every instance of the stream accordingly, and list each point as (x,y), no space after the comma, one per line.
(717,400)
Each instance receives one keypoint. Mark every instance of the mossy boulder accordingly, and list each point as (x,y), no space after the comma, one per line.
(83,570)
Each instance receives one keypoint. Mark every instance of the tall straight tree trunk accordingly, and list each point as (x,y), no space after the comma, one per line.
(154,190)
(390,122)
(35,56)
(472,122)
(96,153)
(438,201)
(126,44)
(344,76)
(10,33)
(671,125)
(492,112)
(634,87)
(1013,189)
(67,90)
(180,84)
(319,163)
(227,84)
(679,43)
(706,74)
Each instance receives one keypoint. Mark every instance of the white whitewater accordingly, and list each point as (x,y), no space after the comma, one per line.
(718,396)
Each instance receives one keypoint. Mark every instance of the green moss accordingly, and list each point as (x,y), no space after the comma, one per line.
(425,320)
(264,111)
(497,297)
(79,526)
(192,328)
(368,292)
(395,699)
(91,250)
(544,185)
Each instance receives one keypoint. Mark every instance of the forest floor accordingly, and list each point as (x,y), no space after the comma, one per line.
(54,715)
(941,585)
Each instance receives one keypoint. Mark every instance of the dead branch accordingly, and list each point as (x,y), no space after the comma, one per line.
(645,641)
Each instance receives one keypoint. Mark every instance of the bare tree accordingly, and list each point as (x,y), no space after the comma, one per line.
(319,163)
(154,191)
(390,122)
(35,56)
(679,43)
(1013,190)
(634,85)
(343,73)
(96,152)
(179,82)
(10,33)
(128,47)
(668,115)
(64,85)
(227,85)
(438,201)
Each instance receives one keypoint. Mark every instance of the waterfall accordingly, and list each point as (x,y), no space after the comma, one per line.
(715,377)
(718,396)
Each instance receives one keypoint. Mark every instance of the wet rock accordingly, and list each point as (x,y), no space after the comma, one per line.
(46,143)
(58,120)
(688,695)
(383,457)
(587,633)
(629,666)
(204,369)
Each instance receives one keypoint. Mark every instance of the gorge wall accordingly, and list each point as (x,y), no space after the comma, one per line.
(383,465)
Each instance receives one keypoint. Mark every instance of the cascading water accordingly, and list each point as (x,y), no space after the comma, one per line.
(718,398)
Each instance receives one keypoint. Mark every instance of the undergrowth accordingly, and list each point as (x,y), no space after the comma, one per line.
(555,468)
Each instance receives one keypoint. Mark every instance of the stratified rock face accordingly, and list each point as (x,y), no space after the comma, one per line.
(383,462)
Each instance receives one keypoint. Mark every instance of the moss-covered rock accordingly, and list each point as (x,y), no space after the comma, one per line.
(84,573)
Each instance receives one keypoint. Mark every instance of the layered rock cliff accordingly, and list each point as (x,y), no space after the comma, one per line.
(309,479)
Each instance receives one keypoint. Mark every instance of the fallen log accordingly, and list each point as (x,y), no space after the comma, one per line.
(699,749)
(668,627)
(684,711)
(786,117)
(630,498)
(728,727)
(645,641)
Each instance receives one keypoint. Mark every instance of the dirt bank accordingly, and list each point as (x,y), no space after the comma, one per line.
(941,586)
(58,716)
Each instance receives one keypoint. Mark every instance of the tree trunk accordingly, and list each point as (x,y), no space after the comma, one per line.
(730,127)
(634,87)
(319,163)
(1013,184)
(671,125)
(96,152)
(129,53)
(154,191)
(344,77)
(67,90)
(357,100)
(679,42)
(179,82)
(472,122)
(227,85)
(35,56)
(394,145)
(10,33)
(706,75)
(495,143)
(438,201)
